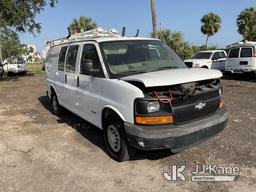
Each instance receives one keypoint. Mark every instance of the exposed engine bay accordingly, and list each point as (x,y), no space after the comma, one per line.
(181,91)
(186,102)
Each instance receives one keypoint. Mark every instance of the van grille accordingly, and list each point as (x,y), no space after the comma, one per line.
(191,101)
(196,107)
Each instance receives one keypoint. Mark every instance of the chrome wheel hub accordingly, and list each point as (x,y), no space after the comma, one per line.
(113,138)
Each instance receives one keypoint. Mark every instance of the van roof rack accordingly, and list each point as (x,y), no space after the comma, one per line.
(242,43)
(85,35)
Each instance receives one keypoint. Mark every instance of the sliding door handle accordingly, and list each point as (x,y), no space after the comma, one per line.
(77,81)
(66,80)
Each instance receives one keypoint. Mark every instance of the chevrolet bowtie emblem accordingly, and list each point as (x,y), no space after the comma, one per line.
(200,105)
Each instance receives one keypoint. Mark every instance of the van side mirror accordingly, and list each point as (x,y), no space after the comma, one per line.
(87,67)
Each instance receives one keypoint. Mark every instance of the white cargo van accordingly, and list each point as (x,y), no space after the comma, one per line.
(15,66)
(137,90)
(241,58)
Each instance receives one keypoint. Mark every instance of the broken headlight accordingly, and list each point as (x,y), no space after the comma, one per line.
(153,106)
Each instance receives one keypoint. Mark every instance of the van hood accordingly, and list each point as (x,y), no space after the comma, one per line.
(173,76)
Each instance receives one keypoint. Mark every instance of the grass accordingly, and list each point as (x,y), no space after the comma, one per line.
(34,68)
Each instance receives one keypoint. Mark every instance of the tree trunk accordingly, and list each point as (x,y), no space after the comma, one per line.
(206,42)
(154,23)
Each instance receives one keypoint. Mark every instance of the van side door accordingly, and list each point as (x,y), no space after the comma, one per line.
(70,77)
(218,61)
(60,74)
(246,56)
(233,57)
(90,83)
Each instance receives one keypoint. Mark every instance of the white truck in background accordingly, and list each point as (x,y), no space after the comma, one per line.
(210,59)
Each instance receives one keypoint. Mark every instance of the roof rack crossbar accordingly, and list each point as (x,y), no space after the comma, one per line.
(95,33)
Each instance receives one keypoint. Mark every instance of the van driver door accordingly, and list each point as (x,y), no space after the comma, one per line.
(90,83)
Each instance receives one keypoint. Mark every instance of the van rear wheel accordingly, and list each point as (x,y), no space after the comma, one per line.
(115,139)
(56,108)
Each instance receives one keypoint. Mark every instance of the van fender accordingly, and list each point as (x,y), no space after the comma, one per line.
(113,109)
(51,87)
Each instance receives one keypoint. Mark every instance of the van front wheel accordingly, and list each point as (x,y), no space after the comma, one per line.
(56,108)
(116,142)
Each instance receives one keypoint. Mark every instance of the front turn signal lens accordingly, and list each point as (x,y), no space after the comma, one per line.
(154,120)
(221,104)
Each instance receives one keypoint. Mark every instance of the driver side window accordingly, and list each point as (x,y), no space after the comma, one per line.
(215,56)
(90,56)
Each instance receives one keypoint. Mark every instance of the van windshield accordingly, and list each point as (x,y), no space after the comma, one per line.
(124,58)
(202,55)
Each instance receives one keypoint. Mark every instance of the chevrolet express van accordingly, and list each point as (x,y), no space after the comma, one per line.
(137,90)
(242,58)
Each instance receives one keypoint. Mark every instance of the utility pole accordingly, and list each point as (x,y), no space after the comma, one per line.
(153,13)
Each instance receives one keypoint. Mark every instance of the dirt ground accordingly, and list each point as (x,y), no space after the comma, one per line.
(40,152)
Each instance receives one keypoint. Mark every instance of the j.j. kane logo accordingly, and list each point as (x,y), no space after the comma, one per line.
(177,173)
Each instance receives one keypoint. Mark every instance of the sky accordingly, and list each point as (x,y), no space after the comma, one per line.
(176,15)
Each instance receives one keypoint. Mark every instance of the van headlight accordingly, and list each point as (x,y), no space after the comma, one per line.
(153,106)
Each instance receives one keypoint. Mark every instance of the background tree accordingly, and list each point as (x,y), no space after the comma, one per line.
(10,43)
(83,23)
(20,15)
(176,41)
(182,47)
(211,23)
(246,23)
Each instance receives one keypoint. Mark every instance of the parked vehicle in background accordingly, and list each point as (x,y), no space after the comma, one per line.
(241,58)
(212,59)
(137,90)
(15,66)
(1,69)
(44,54)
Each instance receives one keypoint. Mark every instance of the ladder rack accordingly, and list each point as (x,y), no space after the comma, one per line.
(242,43)
(91,34)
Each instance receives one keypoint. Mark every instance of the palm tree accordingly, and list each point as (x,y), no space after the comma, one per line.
(154,22)
(165,35)
(211,23)
(83,23)
(176,41)
(246,23)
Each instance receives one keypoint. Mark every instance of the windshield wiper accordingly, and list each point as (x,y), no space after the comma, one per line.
(166,67)
(131,72)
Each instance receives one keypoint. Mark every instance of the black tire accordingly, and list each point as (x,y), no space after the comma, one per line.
(124,152)
(205,67)
(56,107)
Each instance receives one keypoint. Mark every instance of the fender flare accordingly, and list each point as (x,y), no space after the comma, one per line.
(113,109)
(51,87)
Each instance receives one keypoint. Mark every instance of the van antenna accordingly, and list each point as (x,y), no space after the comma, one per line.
(137,33)
(123,31)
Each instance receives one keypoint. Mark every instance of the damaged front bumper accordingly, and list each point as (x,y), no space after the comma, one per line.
(176,137)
